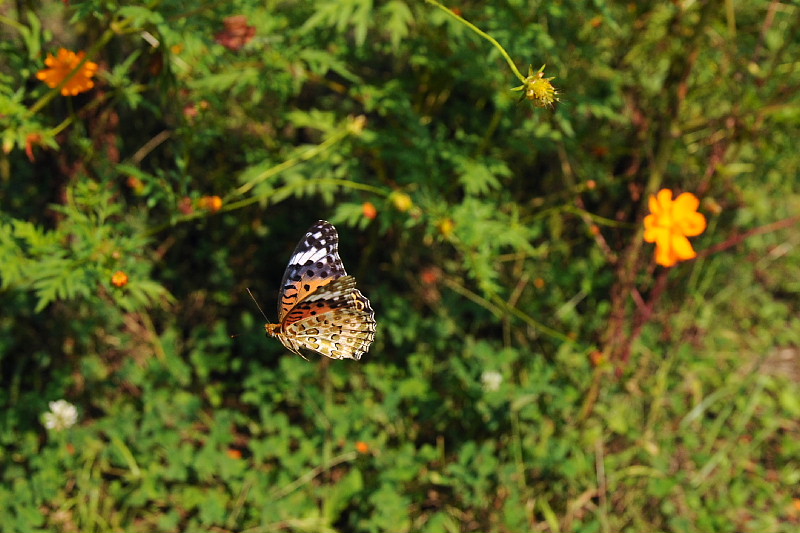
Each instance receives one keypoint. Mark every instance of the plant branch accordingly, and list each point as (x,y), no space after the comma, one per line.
(483,34)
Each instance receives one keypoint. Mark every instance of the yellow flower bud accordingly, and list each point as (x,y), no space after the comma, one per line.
(402,201)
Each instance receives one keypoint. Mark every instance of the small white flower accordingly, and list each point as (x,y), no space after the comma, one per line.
(62,415)
(491,380)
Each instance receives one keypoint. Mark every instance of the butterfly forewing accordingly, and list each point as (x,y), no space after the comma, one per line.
(320,308)
(314,263)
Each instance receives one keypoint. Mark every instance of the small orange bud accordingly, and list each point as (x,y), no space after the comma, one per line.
(119,279)
(591,185)
(135,184)
(210,203)
(431,275)
(233,453)
(538,283)
(362,447)
(596,357)
(369,210)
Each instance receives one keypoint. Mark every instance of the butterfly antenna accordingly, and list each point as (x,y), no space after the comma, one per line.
(256,302)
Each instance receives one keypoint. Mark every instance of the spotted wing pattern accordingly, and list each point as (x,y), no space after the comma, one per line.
(315,262)
(320,308)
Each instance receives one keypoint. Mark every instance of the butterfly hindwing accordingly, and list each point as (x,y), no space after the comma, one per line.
(314,263)
(340,334)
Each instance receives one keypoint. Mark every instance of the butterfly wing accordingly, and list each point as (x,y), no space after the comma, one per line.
(336,320)
(320,308)
(314,264)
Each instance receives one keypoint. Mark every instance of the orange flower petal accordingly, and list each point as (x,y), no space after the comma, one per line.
(665,256)
(656,234)
(664,202)
(692,224)
(663,238)
(652,203)
(686,202)
(682,248)
(650,222)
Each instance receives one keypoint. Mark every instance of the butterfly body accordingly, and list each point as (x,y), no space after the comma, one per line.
(319,307)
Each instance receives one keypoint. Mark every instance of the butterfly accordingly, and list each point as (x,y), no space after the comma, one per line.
(319,307)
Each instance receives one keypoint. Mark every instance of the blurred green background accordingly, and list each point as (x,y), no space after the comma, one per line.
(533,369)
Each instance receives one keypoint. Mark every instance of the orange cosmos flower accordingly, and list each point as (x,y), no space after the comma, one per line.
(670,222)
(62,66)
(119,279)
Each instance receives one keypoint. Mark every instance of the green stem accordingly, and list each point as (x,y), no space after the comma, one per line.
(530,321)
(239,204)
(289,163)
(483,34)
(311,474)
(327,443)
(499,307)
(96,102)
(13,23)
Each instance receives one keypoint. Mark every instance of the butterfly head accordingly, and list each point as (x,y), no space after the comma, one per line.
(273,330)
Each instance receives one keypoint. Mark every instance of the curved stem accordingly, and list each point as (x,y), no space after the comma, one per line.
(289,163)
(483,34)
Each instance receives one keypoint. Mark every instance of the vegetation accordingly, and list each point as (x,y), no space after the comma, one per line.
(534,369)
